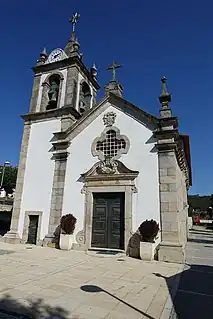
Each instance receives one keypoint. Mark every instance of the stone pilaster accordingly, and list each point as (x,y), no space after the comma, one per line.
(67,121)
(44,97)
(172,246)
(71,87)
(12,236)
(35,91)
(57,196)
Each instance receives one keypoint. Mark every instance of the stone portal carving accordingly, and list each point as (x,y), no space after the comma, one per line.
(109,119)
(80,237)
(115,168)
(108,166)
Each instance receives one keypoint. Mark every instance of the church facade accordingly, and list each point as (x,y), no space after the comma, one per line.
(111,164)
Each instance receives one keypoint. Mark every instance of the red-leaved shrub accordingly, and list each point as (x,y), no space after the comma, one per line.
(68,224)
(149,230)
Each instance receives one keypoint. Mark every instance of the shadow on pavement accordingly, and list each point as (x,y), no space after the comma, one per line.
(194,298)
(201,241)
(34,309)
(201,232)
(93,288)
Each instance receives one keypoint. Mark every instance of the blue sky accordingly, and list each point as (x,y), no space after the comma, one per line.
(149,38)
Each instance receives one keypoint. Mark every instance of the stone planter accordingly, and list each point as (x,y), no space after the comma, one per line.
(66,241)
(147,250)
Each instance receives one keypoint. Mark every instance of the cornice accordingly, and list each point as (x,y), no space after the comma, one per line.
(51,114)
(69,62)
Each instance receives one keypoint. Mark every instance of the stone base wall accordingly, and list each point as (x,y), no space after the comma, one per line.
(173,254)
(173,203)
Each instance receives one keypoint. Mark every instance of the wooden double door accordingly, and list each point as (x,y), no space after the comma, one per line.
(108,220)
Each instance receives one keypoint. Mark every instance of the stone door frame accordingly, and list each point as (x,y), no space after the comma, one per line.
(128,190)
(110,200)
(26,225)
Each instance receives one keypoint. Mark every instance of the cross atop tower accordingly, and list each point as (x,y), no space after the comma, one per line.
(113,67)
(74,19)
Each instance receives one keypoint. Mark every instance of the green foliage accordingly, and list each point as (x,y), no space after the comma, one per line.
(200,202)
(10,176)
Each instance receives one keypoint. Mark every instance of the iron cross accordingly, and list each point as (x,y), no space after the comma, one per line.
(74,20)
(113,67)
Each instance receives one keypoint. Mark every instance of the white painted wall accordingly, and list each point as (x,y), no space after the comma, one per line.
(39,171)
(139,157)
(63,90)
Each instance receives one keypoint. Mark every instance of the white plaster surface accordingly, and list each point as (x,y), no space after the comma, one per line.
(38,180)
(140,158)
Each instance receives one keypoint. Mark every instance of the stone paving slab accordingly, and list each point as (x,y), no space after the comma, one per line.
(194,295)
(79,285)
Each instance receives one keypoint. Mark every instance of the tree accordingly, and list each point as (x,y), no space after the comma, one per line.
(200,202)
(10,177)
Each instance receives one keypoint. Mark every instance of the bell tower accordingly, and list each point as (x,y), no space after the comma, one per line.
(63,89)
(62,80)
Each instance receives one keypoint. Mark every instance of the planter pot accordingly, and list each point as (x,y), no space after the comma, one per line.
(66,241)
(147,250)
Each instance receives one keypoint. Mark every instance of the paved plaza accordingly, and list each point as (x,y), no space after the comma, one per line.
(39,282)
(195,292)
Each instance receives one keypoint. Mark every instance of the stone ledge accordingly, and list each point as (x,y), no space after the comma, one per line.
(11,237)
(81,247)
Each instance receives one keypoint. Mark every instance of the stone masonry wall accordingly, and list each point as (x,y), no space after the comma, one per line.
(169,201)
(35,91)
(72,79)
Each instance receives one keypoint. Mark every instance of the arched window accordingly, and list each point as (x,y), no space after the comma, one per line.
(85,97)
(53,91)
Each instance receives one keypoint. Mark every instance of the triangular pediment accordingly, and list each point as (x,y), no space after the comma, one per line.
(112,170)
(137,114)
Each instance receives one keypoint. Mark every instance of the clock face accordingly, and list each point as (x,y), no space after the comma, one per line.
(55,55)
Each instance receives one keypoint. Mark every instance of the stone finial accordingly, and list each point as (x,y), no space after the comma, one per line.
(113,87)
(73,45)
(76,45)
(109,119)
(43,57)
(93,71)
(165,99)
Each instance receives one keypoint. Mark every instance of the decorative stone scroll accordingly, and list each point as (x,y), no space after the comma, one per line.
(80,237)
(84,190)
(134,189)
(108,166)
